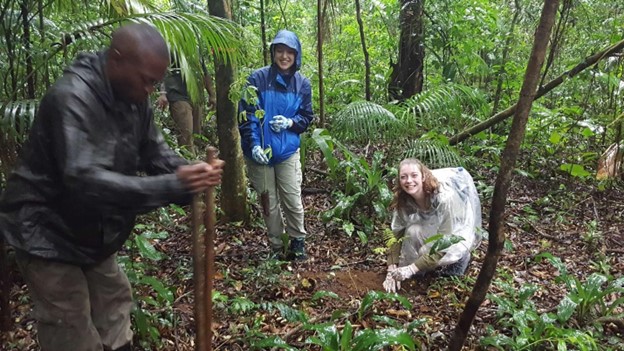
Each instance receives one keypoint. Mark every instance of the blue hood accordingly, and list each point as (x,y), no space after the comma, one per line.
(291,40)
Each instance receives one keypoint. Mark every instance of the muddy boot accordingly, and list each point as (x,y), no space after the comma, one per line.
(296,251)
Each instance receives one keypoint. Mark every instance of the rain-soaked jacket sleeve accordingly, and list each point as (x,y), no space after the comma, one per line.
(87,157)
(305,115)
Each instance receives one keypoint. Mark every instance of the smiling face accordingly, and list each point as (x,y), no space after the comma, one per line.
(411,179)
(284,57)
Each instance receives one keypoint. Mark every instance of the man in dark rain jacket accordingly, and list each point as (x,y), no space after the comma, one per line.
(72,200)
(270,141)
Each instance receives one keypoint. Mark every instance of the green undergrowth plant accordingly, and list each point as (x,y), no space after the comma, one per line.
(598,296)
(363,193)
(340,333)
(575,323)
(153,310)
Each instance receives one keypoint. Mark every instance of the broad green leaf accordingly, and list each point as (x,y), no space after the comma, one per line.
(146,249)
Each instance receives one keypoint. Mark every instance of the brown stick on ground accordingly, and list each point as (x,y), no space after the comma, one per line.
(209,239)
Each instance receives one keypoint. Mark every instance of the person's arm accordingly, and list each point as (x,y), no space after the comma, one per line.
(457,218)
(305,115)
(398,229)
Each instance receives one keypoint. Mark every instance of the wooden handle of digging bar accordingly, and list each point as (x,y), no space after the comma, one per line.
(210,220)
(199,275)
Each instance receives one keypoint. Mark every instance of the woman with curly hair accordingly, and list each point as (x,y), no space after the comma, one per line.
(440,203)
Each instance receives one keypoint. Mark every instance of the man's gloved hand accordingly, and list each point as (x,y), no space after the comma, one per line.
(259,156)
(390,284)
(279,123)
(403,273)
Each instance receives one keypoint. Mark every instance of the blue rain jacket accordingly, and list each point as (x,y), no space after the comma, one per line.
(278,94)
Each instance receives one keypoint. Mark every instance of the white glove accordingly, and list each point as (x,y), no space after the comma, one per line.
(403,273)
(259,156)
(279,123)
(390,284)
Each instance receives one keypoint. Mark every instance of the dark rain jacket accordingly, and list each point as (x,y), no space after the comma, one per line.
(76,190)
(278,94)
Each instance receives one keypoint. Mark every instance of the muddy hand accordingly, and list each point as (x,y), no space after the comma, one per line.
(403,273)
(390,284)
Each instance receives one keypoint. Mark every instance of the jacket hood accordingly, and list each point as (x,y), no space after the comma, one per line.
(291,40)
(90,65)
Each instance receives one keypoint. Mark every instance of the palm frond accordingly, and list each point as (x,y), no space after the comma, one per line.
(16,118)
(451,107)
(432,152)
(193,37)
(361,121)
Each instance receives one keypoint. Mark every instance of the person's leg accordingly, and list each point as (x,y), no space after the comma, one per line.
(182,114)
(288,181)
(61,304)
(111,302)
(198,118)
(455,269)
(263,179)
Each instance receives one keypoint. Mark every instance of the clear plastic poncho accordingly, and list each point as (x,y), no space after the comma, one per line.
(455,210)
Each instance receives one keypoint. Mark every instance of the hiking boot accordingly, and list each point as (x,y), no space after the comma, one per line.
(296,250)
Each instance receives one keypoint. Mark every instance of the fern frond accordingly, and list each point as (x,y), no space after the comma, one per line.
(389,238)
(451,107)
(361,121)
(433,153)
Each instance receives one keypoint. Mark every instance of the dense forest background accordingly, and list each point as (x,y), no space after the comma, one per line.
(438,80)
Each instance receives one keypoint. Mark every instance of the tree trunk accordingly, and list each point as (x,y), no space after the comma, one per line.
(503,115)
(265,51)
(407,75)
(234,186)
(30,81)
(320,18)
(501,70)
(508,161)
(364,50)
(557,37)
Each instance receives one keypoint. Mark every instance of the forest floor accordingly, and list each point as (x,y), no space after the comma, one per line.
(543,215)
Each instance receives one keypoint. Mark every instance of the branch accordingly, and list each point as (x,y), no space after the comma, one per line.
(503,115)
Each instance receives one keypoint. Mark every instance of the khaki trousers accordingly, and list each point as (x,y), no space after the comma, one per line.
(78,308)
(283,183)
(182,113)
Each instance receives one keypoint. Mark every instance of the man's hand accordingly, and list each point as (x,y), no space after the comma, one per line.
(199,176)
(259,156)
(390,284)
(403,273)
(279,123)
(162,101)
